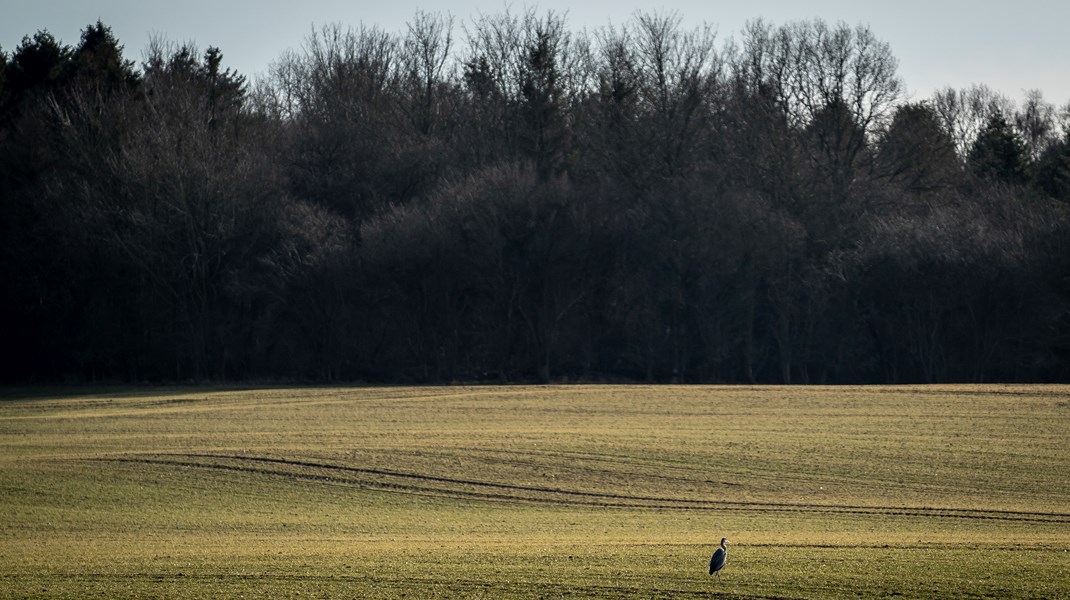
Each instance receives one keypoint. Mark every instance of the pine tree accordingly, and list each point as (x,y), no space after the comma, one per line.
(99,59)
(1053,170)
(998,154)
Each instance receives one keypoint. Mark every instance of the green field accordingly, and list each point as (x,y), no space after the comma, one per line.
(536,492)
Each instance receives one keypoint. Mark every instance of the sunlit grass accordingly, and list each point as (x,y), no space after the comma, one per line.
(527,492)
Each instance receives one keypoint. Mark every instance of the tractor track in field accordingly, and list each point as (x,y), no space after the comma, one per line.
(472,489)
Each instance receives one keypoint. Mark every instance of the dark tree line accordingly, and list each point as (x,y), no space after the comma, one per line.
(508,200)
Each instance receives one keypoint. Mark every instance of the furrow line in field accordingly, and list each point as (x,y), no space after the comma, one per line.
(607,501)
(485,490)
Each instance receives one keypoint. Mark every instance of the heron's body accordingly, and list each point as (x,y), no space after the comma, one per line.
(720,557)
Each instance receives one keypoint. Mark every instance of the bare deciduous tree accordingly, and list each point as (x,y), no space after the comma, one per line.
(965,113)
(426,51)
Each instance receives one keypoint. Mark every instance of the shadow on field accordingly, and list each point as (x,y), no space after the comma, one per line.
(97,392)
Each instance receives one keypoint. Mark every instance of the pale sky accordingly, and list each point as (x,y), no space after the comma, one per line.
(1010,46)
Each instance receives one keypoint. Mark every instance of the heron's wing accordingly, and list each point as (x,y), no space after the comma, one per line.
(717,561)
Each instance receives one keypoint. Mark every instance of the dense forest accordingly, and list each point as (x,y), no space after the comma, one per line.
(506,199)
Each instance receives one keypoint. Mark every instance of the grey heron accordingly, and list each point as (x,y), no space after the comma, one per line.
(720,557)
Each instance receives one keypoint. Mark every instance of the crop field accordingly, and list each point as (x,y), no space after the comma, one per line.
(535,492)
